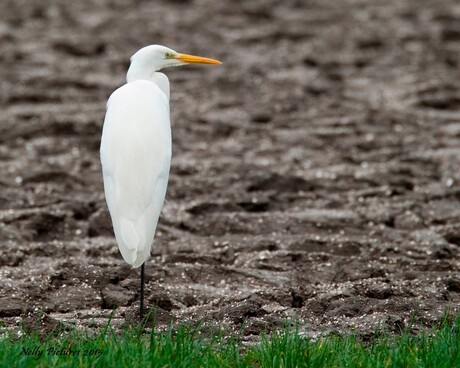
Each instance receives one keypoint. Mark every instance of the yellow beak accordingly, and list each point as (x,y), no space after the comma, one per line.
(192,59)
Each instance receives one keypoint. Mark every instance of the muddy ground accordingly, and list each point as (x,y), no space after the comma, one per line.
(315,174)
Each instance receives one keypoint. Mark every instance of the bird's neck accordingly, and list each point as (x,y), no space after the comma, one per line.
(139,71)
(136,73)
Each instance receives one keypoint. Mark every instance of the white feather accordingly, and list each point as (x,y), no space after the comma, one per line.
(136,157)
(136,149)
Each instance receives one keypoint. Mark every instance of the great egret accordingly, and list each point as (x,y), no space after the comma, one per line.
(136,151)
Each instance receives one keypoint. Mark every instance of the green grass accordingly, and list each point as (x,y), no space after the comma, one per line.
(185,347)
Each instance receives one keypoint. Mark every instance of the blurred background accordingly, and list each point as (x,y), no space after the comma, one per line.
(314,174)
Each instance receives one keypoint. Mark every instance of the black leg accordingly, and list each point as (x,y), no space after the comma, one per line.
(141,311)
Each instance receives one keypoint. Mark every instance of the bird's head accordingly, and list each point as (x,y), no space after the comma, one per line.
(152,58)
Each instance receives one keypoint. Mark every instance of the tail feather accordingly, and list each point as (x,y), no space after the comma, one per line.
(129,234)
(133,246)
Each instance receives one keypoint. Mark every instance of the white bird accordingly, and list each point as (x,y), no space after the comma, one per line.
(136,151)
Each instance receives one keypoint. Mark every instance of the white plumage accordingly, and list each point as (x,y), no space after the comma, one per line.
(136,150)
(136,156)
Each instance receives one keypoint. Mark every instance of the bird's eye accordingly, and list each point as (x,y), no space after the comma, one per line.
(168,55)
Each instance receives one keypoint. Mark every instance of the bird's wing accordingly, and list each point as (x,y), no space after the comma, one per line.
(135,157)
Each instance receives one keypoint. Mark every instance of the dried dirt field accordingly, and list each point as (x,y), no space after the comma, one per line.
(315,174)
